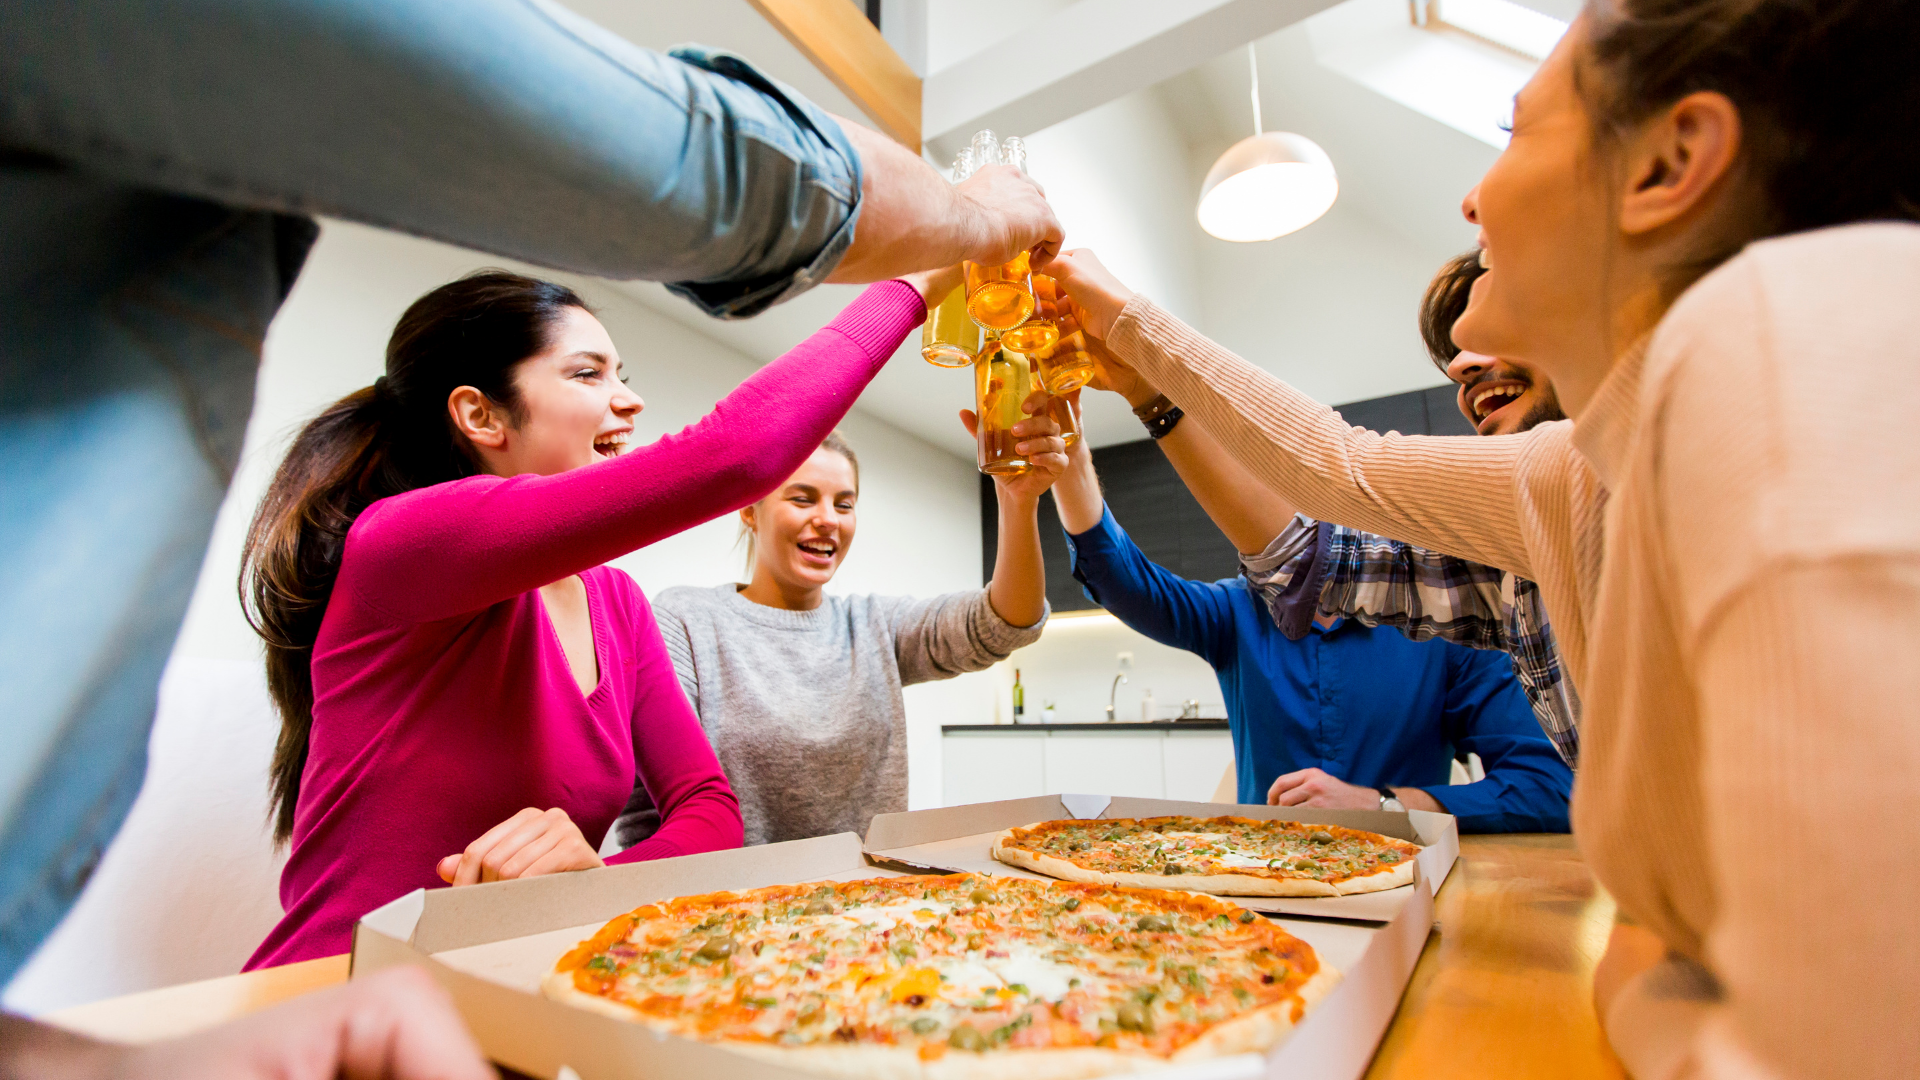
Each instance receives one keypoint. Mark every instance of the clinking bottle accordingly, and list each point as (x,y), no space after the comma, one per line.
(999,297)
(950,337)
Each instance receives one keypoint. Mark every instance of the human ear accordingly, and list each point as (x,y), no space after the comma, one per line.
(1677,162)
(475,416)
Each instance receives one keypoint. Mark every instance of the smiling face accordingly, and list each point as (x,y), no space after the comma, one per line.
(803,530)
(1502,397)
(1545,236)
(573,411)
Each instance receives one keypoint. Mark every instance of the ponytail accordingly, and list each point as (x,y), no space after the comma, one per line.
(376,442)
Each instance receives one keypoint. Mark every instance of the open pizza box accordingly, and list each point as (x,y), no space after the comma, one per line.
(490,945)
(961,838)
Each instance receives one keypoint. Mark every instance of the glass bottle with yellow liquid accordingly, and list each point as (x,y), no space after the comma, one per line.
(1065,411)
(950,338)
(1039,332)
(999,297)
(1002,379)
(1064,365)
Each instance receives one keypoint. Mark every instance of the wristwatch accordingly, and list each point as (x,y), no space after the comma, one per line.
(1390,801)
(1159,416)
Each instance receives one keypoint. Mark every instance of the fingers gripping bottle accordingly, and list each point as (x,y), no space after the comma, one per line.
(950,337)
(999,297)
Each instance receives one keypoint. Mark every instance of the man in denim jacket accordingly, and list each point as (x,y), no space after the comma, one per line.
(161,166)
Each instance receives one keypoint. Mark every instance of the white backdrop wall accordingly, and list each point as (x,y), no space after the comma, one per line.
(190,885)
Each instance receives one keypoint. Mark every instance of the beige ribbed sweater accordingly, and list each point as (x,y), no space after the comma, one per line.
(1741,618)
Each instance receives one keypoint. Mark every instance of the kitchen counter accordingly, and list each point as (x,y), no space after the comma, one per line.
(1115,728)
(1503,988)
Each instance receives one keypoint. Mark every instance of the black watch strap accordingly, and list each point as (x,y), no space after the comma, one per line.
(1388,793)
(1159,426)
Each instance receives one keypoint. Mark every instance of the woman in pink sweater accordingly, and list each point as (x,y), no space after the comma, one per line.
(466,692)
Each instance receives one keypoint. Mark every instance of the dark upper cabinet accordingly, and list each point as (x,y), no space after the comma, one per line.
(1149,501)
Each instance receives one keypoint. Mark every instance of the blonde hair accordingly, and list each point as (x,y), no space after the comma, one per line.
(835,442)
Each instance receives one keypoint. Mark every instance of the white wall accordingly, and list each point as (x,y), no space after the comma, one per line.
(189,887)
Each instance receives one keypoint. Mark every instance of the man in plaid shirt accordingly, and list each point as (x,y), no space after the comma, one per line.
(1313,569)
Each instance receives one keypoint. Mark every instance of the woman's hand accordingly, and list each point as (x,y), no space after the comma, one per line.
(1095,291)
(1039,442)
(528,844)
(1113,374)
(934,285)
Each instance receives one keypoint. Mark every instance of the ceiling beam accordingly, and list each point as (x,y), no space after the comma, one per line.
(850,51)
(1086,55)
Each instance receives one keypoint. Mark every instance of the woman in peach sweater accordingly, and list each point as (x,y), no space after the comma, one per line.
(1704,232)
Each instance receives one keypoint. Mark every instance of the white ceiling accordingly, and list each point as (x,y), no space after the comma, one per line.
(1331,308)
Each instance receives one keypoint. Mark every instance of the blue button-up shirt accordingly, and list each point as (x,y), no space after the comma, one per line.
(1364,704)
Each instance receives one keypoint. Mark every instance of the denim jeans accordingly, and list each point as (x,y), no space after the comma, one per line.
(160,164)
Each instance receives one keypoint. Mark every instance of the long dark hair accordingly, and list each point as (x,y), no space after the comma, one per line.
(381,440)
(1828,93)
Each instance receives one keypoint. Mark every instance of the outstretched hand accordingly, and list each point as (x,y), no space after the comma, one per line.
(528,844)
(1013,215)
(1113,374)
(1039,442)
(1096,292)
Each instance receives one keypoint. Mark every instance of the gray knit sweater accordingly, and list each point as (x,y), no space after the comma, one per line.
(804,707)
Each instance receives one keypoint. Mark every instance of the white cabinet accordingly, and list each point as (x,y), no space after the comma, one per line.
(1154,763)
(1103,764)
(984,767)
(1194,763)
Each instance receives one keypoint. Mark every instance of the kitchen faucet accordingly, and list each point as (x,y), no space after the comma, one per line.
(1111,691)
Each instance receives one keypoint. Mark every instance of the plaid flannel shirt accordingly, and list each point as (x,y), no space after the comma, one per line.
(1314,568)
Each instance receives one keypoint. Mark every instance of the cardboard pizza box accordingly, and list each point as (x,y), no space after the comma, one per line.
(961,838)
(490,945)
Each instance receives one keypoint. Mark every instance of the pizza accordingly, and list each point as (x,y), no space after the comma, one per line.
(952,978)
(1235,856)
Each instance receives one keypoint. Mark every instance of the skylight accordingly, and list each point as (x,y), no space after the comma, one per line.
(1456,61)
(1502,22)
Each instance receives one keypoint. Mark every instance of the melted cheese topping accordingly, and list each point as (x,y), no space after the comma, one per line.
(958,963)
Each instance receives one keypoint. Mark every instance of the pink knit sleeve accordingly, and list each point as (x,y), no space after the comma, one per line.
(465,545)
(698,810)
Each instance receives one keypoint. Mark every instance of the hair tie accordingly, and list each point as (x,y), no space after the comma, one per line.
(380,387)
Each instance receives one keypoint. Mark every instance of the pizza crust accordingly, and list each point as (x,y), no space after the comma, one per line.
(1005,851)
(559,986)
(897,1063)
(1255,1032)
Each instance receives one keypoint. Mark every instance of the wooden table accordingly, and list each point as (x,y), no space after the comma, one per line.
(1503,990)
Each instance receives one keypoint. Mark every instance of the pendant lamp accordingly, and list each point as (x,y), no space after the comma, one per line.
(1268,185)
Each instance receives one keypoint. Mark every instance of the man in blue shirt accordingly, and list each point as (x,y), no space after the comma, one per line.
(1347,716)
(161,166)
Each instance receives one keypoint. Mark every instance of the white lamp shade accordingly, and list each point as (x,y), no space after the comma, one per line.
(1267,186)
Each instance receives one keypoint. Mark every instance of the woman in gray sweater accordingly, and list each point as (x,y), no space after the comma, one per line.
(800,691)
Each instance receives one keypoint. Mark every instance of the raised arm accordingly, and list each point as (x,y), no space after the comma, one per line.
(511,126)
(1458,496)
(1243,508)
(1166,607)
(462,546)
